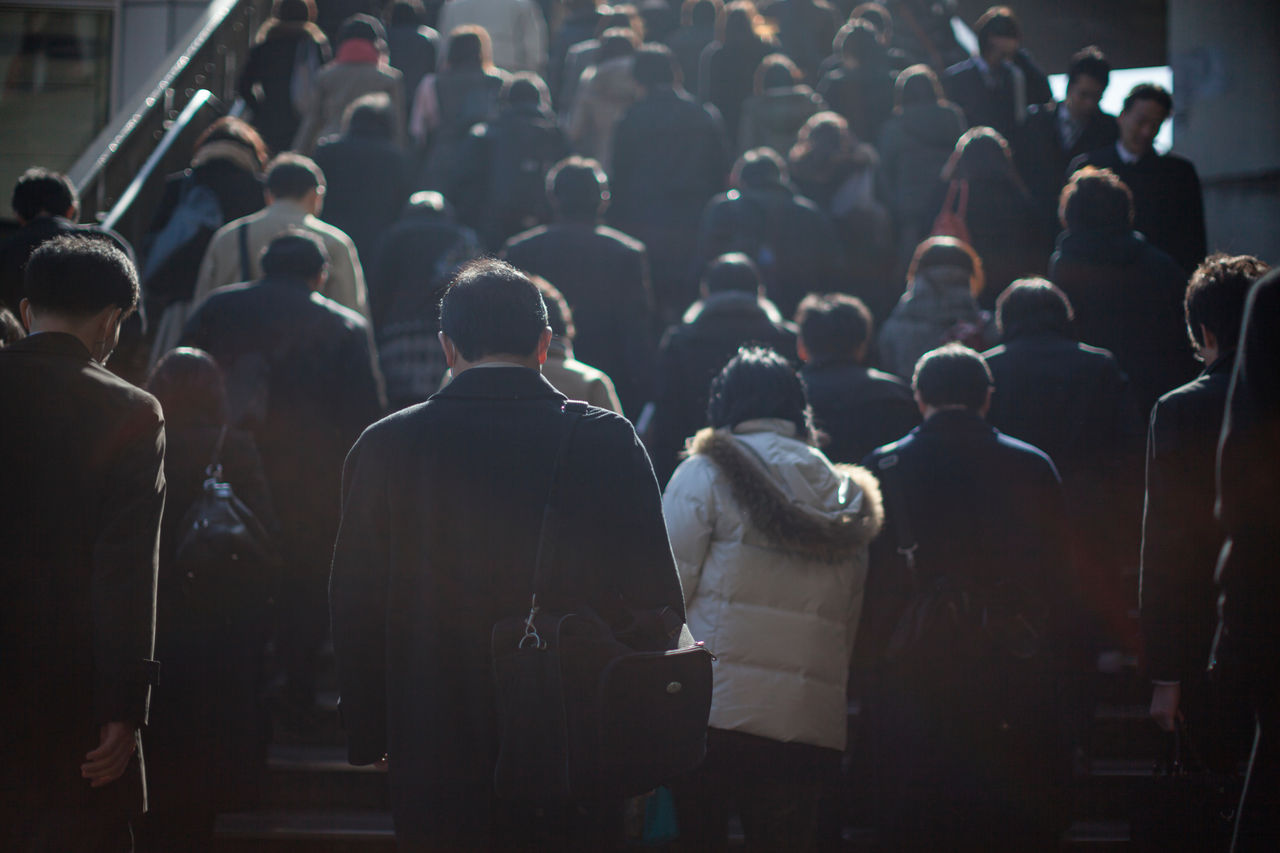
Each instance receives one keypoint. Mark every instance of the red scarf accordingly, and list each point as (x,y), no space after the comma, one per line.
(359,51)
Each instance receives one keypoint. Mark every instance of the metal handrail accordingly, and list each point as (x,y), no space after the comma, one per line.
(207,60)
(156,163)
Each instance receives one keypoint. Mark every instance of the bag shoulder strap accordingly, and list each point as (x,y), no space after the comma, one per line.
(573,411)
(242,233)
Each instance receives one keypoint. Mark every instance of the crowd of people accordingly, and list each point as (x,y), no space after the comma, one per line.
(881,325)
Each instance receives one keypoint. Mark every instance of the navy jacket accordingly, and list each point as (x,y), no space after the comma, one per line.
(858,408)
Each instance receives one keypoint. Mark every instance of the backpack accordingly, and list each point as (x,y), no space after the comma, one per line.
(172,254)
(953,627)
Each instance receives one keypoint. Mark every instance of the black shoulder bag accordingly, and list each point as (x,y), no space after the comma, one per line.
(581,712)
(223,549)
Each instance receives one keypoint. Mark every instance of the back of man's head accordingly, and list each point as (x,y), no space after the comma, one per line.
(1033,305)
(492,308)
(996,22)
(295,254)
(577,188)
(429,203)
(833,325)
(370,116)
(655,67)
(757,169)
(76,276)
(292,176)
(734,272)
(952,376)
(1216,296)
(1096,200)
(525,89)
(43,192)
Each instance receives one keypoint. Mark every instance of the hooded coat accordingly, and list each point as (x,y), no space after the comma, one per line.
(914,146)
(770,540)
(935,310)
(604,94)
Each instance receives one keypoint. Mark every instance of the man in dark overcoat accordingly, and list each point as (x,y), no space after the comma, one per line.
(82,453)
(302,376)
(964,753)
(442,505)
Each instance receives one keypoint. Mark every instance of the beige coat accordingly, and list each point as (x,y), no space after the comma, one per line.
(221,264)
(771,542)
(579,381)
(336,86)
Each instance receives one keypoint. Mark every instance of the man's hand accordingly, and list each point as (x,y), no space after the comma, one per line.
(106,764)
(1164,704)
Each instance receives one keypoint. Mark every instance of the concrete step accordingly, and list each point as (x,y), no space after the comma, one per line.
(319,777)
(304,832)
(1126,731)
(1099,835)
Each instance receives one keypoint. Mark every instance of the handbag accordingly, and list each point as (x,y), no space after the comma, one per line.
(224,550)
(585,711)
(950,221)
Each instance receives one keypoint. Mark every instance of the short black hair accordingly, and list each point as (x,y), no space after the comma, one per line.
(952,375)
(527,89)
(759,383)
(295,253)
(1032,305)
(759,167)
(370,115)
(833,324)
(997,21)
(406,13)
(1148,92)
(655,66)
(78,276)
(1216,296)
(700,13)
(734,271)
(577,186)
(1095,200)
(1089,62)
(490,308)
(559,315)
(42,190)
(292,176)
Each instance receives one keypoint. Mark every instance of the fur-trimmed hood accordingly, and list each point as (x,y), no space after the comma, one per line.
(801,504)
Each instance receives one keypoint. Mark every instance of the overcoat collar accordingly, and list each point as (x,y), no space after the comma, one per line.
(500,383)
(52,343)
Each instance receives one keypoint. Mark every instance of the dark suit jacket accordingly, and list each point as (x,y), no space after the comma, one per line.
(690,356)
(302,377)
(604,276)
(1041,159)
(82,453)
(1167,203)
(1180,537)
(858,408)
(1248,494)
(442,505)
(994,105)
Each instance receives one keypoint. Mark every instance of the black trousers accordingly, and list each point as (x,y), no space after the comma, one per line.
(774,787)
(63,830)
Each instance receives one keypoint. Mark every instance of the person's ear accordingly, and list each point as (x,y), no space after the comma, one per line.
(986,403)
(544,343)
(802,351)
(24,308)
(1209,338)
(920,404)
(450,351)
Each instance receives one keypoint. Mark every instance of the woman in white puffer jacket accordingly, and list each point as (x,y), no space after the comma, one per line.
(771,542)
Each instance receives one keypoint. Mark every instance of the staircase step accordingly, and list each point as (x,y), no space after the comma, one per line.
(304,832)
(1099,835)
(1126,731)
(1114,789)
(317,777)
